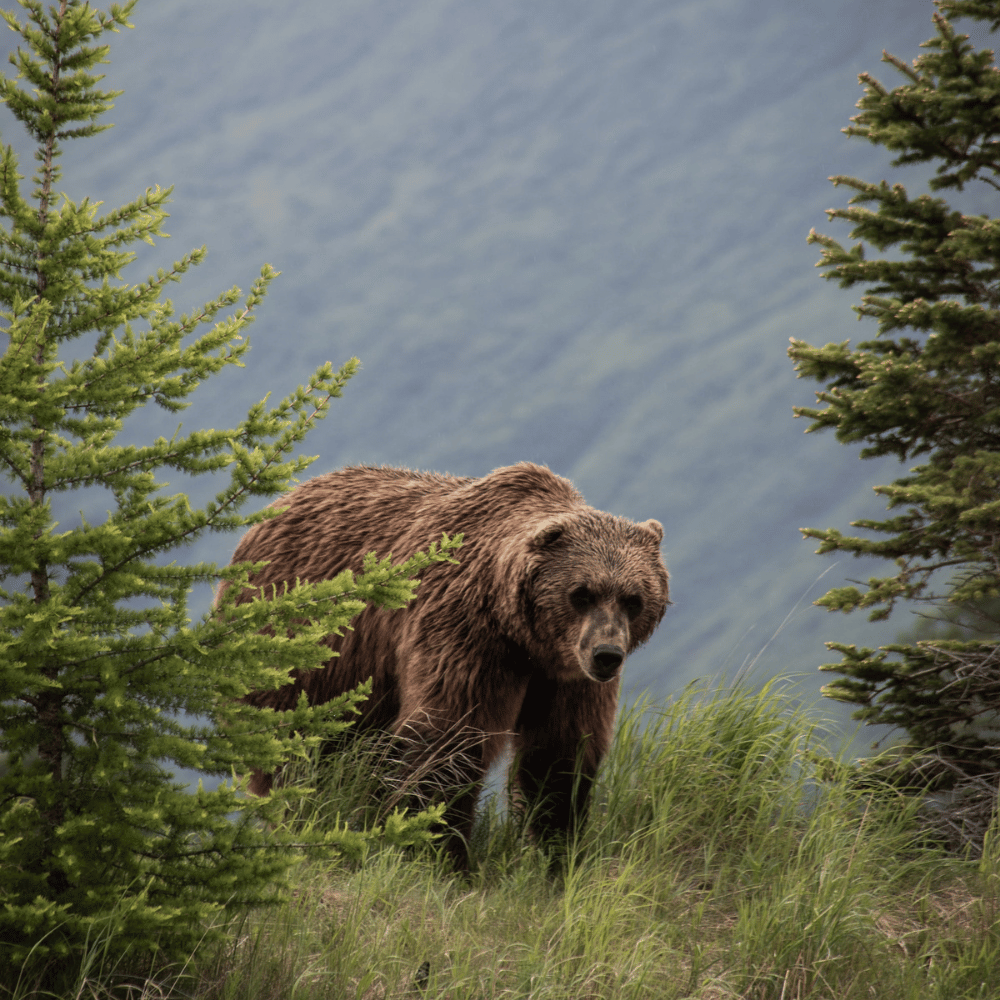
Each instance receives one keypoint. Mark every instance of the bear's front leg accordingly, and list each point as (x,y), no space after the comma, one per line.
(455,718)
(562,734)
(440,763)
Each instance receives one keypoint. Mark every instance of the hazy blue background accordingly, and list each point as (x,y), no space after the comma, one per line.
(570,231)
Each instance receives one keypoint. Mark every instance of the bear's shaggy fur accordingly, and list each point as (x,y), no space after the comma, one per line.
(525,636)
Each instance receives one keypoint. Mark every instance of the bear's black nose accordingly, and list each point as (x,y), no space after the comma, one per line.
(607,660)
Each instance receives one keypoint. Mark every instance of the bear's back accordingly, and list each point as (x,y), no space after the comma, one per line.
(333,520)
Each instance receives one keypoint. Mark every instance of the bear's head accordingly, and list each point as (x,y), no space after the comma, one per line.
(594,588)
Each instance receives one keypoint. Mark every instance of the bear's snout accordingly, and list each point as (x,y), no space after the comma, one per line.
(605,661)
(604,641)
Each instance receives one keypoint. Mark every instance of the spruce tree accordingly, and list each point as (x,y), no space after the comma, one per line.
(103,675)
(925,388)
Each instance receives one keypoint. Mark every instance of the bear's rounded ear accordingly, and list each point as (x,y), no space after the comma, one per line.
(548,534)
(654,528)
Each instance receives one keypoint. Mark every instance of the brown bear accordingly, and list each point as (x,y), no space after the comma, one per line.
(525,637)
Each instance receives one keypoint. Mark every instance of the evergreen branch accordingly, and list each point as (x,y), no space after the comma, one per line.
(214,516)
(981,10)
(944,112)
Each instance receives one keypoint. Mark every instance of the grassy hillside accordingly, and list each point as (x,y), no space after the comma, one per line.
(715,866)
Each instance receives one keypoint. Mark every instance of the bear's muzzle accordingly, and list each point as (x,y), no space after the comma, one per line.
(605,661)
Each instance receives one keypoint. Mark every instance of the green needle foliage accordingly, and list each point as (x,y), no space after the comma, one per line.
(105,682)
(927,387)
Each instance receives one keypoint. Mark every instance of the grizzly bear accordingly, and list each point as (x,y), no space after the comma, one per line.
(524,638)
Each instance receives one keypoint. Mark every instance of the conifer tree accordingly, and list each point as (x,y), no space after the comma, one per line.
(926,388)
(99,660)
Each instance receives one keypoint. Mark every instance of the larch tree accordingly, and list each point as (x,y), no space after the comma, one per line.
(103,675)
(926,388)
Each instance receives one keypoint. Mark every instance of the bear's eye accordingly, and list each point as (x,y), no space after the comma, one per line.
(632,605)
(581,598)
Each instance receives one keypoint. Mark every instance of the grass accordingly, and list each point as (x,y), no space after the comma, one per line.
(715,866)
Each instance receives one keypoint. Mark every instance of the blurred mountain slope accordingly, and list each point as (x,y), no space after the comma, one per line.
(570,233)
